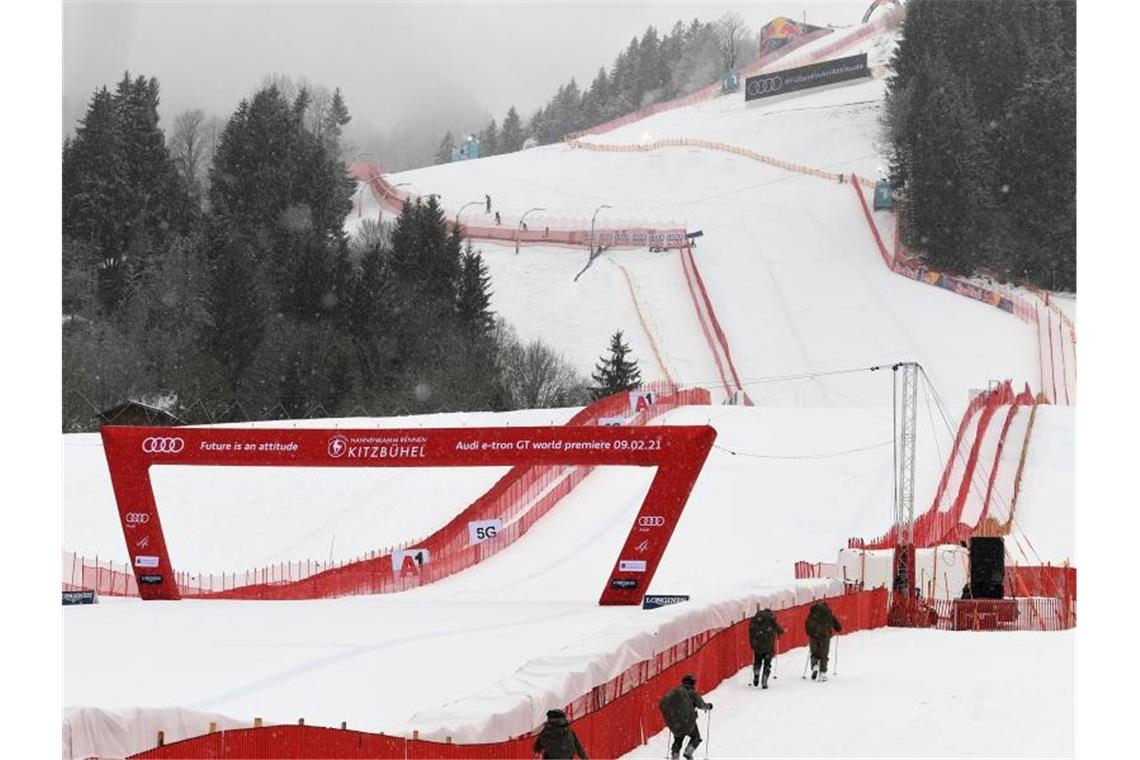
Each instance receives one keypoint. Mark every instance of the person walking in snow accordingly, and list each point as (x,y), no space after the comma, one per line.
(488,204)
(557,739)
(762,633)
(820,624)
(679,709)
(498,220)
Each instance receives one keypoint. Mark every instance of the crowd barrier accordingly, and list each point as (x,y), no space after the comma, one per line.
(520,498)
(633,234)
(611,721)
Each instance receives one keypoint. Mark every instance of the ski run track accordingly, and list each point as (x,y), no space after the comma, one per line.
(780,309)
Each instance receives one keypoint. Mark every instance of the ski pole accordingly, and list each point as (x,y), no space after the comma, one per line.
(835,670)
(807,657)
(708,731)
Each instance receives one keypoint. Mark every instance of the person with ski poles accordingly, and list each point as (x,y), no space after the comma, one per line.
(679,709)
(820,624)
(762,633)
(557,739)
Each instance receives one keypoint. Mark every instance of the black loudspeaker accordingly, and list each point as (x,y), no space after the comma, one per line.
(987,567)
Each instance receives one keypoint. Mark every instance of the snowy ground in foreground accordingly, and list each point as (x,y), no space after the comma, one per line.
(904,693)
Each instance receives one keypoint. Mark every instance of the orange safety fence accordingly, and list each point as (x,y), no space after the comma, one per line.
(736,150)
(520,498)
(610,720)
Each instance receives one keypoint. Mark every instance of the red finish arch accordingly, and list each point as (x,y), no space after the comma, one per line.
(678,452)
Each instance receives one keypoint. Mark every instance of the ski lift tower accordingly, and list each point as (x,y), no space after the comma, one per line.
(905,433)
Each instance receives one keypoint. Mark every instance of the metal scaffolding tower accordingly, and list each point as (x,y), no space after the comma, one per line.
(905,434)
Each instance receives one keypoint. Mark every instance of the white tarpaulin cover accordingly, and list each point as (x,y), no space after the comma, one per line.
(518,704)
(93,732)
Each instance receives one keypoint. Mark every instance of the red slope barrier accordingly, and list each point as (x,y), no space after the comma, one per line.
(935,523)
(710,325)
(635,236)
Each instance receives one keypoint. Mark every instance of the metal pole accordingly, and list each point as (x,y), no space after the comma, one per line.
(518,231)
(593,243)
(464,208)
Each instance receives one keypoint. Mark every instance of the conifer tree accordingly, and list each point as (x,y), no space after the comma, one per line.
(473,300)
(616,372)
(336,117)
(511,137)
(489,140)
(445,149)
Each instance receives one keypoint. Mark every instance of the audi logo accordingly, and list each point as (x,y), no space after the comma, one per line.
(163,445)
(765,86)
(650,521)
(137,518)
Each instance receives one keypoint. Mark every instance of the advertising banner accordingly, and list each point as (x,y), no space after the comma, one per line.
(653,601)
(479,531)
(79,597)
(805,77)
(678,452)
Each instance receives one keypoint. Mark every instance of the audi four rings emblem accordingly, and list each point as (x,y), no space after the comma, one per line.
(650,521)
(137,518)
(765,86)
(163,445)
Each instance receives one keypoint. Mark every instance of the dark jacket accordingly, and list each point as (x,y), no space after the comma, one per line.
(679,708)
(557,739)
(821,621)
(762,632)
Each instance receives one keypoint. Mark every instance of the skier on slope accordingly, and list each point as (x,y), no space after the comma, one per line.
(488,204)
(679,708)
(762,633)
(820,624)
(557,739)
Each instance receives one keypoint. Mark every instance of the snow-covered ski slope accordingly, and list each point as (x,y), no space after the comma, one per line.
(788,259)
(800,290)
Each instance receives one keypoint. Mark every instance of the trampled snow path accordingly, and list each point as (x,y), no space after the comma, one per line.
(903,693)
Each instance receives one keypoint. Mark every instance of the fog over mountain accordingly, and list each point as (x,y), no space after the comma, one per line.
(408,71)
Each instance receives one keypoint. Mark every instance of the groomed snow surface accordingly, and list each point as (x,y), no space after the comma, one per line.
(902,693)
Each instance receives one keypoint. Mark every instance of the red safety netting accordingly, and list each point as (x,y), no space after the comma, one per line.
(804,569)
(936,525)
(631,235)
(1026,613)
(520,498)
(612,720)
(1056,349)
(714,336)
